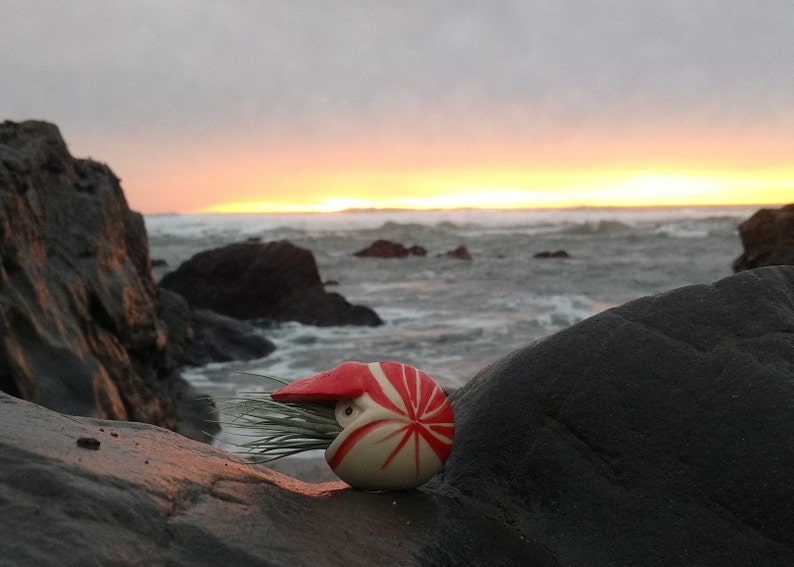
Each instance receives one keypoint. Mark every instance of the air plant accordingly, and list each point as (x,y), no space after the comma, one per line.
(278,429)
(383,425)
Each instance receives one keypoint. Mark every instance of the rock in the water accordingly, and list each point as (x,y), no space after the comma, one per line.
(460,253)
(388,249)
(276,280)
(768,239)
(550,254)
(660,432)
(82,328)
(218,338)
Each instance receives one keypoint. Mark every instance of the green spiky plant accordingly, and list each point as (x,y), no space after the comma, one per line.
(279,429)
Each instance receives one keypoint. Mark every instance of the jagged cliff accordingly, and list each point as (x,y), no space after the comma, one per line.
(84,328)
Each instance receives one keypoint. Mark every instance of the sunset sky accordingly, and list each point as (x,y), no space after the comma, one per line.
(258,105)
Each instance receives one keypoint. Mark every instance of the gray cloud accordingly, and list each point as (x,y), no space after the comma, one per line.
(280,72)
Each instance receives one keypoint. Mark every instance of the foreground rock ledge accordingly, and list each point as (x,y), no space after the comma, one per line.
(148,496)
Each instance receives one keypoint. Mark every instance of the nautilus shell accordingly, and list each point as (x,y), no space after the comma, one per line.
(397,425)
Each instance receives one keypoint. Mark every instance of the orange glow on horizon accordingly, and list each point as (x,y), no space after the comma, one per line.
(510,189)
(663,169)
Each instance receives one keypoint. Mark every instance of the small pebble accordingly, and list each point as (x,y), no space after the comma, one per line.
(88,443)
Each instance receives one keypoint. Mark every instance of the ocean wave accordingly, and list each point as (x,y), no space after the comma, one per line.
(678,231)
(599,227)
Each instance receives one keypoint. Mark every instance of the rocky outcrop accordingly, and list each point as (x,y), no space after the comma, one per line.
(275,280)
(768,239)
(388,249)
(83,331)
(218,338)
(656,433)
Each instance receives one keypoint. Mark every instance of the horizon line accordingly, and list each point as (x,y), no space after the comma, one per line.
(371,210)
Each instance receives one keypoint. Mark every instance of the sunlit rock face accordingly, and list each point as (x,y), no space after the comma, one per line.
(83,331)
(768,239)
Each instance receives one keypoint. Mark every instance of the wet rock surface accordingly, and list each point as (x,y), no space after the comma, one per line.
(146,496)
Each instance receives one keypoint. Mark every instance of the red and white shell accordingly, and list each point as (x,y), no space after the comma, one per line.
(397,422)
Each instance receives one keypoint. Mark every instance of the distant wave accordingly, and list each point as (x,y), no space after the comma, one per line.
(600,227)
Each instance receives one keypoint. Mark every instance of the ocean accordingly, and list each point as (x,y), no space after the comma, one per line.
(453,317)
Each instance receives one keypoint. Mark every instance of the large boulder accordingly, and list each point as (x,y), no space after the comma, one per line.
(660,432)
(768,239)
(82,330)
(275,280)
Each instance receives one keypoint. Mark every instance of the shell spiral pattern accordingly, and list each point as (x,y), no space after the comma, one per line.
(397,424)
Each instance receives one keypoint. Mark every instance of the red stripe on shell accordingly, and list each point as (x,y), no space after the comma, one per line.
(353,438)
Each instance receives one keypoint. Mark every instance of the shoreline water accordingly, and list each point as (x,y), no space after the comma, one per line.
(453,317)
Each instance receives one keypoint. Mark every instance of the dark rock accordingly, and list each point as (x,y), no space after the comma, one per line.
(276,280)
(459,253)
(388,249)
(656,433)
(158,263)
(768,239)
(325,309)
(660,432)
(417,250)
(555,254)
(89,443)
(80,321)
(173,314)
(218,338)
